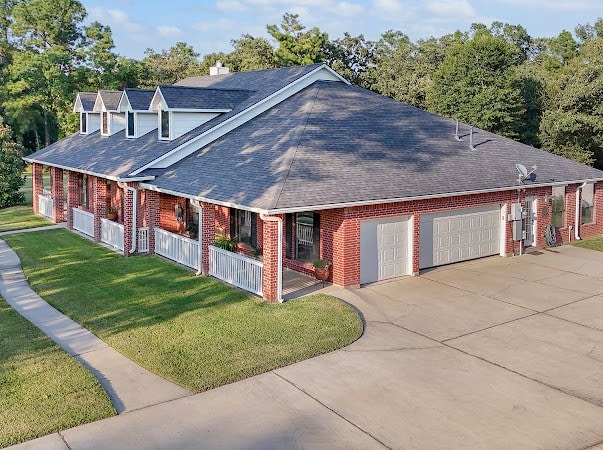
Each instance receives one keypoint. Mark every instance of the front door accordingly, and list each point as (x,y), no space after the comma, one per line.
(530,222)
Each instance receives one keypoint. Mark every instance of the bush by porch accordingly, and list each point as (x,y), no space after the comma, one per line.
(192,330)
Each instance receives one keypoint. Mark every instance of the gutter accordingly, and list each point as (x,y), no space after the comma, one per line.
(134,192)
(88,172)
(577,216)
(279,285)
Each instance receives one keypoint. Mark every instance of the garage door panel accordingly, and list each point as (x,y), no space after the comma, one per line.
(383,249)
(460,236)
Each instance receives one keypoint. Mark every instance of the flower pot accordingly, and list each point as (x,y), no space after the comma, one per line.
(321,273)
(112,216)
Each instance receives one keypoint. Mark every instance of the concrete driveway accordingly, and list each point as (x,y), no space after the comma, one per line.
(495,353)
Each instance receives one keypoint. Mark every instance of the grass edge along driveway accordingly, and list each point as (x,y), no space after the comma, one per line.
(42,388)
(592,243)
(194,331)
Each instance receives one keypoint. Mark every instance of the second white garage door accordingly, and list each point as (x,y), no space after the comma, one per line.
(384,249)
(458,236)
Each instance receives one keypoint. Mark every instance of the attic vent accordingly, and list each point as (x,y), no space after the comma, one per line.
(218,69)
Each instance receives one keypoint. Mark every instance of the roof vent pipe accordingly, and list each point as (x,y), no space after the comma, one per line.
(471,139)
(456,133)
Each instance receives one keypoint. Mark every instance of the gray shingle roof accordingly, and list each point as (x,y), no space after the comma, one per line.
(140,99)
(110,99)
(117,156)
(333,143)
(87,99)
(184,97)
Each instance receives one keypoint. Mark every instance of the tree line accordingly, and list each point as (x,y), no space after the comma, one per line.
(545,92)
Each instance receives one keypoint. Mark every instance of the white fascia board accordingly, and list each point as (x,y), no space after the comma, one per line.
(99,106)
(157,98)
(205,110)
(77,105)
(152,187)
(88,172)
(239,119)
(520,187)
(124,103)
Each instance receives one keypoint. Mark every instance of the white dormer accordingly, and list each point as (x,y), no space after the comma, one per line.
(134,104)
(181,109)
(111,120)
(84,105)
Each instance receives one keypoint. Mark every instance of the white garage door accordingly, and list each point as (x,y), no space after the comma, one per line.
(451,237)
(384,249)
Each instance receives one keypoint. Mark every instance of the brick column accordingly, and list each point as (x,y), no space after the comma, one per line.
(416,241)
(270,261)
(128,199)
(37,185)
(73,196)
(346,252)
(58,193)
(152,216)
(99,201)
(208,230)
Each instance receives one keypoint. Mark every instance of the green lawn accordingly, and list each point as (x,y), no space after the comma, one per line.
(594,243)
(21,217)
(42,388)
(192,330)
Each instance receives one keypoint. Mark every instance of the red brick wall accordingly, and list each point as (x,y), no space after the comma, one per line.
(37,179)
(270,260)
(222,223)
(58,194)
(167,219)
(73,196)
(99,204)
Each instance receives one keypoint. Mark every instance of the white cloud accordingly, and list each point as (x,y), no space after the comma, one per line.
(231,6)
(557,5)
(115,18)
(168,31)
(448,8)
(215,25)
(347,9)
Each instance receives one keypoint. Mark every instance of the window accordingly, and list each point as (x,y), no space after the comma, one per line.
(243,226)
(558,207)
(84,191)
(307,236)
(165,124)
(587,203)
(105,119)
(83,123)
(130,124)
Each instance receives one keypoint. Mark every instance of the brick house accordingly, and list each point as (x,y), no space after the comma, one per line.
(296,165)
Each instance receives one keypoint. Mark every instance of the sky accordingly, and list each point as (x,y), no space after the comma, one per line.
(210,25)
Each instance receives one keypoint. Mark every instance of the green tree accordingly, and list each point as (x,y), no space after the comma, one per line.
(296,46)
(478,84)
(169,66)
(250,53)
(11,168)
(573,125)
(353,57)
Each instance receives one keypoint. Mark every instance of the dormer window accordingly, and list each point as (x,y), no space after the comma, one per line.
(131,129)
(165,124)
(105,122)
(84,123)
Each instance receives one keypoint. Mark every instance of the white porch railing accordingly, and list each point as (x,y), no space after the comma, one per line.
(240,271)
(45,205)
(112,233)
(305,233)
(177,248)
(83,221)
(143,240)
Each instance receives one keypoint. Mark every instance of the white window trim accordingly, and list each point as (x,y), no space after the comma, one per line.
(170,125)
(128,123)
(108,133)
(84,114)
(592,204)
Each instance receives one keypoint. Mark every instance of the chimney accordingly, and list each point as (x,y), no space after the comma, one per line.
(218,69)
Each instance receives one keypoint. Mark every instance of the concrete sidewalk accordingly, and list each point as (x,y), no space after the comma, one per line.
(128,385)
(30,230)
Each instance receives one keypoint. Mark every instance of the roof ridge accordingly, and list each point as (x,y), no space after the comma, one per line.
(252,71)
(301,134)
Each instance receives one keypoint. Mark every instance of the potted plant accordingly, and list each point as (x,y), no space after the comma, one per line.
(111,213)
(192,230)
(226,243)
(321,269)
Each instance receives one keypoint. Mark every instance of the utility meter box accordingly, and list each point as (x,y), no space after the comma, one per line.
(518,233)
(515,212)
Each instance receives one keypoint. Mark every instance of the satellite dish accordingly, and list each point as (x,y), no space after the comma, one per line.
(523,172)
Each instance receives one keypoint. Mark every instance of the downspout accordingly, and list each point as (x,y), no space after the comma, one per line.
(279,288)
(198,204)
(134,192)
(577,217)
